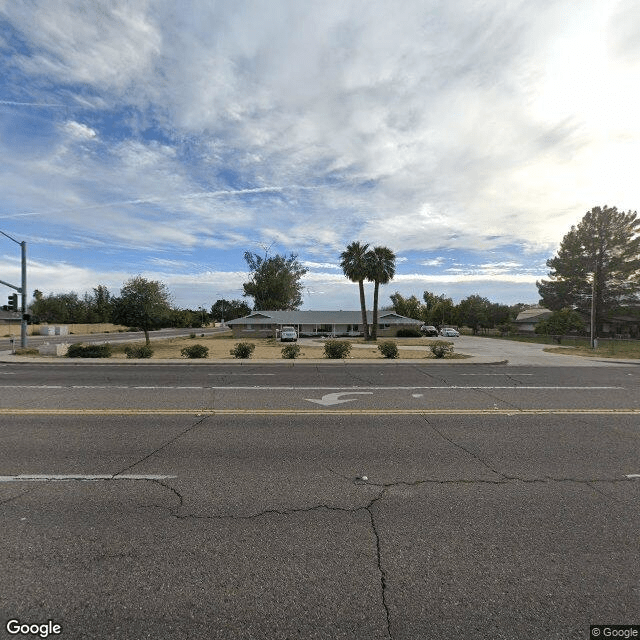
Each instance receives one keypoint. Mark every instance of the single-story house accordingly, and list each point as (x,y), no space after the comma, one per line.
(10,317)
(266,324)
(621,327)
(527,319)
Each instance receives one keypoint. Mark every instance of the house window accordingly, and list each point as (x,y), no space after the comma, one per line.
(324,328)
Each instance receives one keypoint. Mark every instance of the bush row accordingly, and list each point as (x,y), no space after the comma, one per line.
(90,351)
(333,349)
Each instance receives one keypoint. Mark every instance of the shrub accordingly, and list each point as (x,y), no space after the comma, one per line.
(408,333)
(90,351)
(441,348)
(143,351)
(243,350)
(26,352)
(291,351)
(195,351)
(192,335)
(388,349)
(336,349)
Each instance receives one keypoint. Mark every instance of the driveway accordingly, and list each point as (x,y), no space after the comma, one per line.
(515,353)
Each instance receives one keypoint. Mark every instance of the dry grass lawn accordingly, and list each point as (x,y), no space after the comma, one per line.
(13,328)
(609,349)
(268,348)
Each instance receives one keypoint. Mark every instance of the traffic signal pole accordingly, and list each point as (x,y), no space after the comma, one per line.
(22,290)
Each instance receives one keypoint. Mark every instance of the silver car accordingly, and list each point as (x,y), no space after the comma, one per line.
(288,334)
(449,333)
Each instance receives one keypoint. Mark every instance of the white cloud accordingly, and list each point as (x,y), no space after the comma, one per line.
(419,125)
(79,131)
(104,45)
(320,265)
(436,262)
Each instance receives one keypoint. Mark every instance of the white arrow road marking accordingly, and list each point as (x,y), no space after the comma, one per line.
(329,399)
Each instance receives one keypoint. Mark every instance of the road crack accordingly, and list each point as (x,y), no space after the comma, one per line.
(17,497)
(294,511)
(381,570)
(463,448)
(161,447)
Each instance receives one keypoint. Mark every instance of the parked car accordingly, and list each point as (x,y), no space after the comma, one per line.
(448,332)
(288,334)
(428,330)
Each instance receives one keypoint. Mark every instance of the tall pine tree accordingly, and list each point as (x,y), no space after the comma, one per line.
(605,246)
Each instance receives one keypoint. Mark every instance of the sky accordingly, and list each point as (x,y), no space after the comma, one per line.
(164,139)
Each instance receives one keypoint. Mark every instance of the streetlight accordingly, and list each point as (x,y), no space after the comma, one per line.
(22,290)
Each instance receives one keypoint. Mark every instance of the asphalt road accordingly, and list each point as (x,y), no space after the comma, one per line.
(217,501)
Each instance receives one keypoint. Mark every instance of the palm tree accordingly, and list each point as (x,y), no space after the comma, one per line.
(381,267)
(353,261)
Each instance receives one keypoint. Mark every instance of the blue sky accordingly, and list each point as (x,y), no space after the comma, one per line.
(166,139)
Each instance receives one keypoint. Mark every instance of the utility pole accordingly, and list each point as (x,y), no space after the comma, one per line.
(593,312)
(23,323)
(22,290)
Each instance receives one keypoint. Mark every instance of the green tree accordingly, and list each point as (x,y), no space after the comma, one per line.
(381,267)
(600,259)
(229,309)
(354,266)
(474,311)
(99,304)
(409,307)
(439,309)
(143,303)
(275,282)
(560,323)
(60,308)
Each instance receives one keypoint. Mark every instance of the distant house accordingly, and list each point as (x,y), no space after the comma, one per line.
(9,317)
(527,319)
(623,327)
(264,324)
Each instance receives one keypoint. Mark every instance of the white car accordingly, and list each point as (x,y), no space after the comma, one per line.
(449,333)
(288,334)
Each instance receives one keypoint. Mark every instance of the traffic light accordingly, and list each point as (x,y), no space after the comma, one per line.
(13,302)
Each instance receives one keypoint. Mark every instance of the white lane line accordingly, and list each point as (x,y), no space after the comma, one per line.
(303,388)
(37,477)
(496,374)
(94,386)
(633,475)
(155,387)
(400,388)
(220,375)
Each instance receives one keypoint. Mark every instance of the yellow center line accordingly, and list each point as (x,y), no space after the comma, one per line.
(309,412)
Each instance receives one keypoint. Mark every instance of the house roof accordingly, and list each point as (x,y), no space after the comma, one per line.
(533,315)
(10,316)
(319,317)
